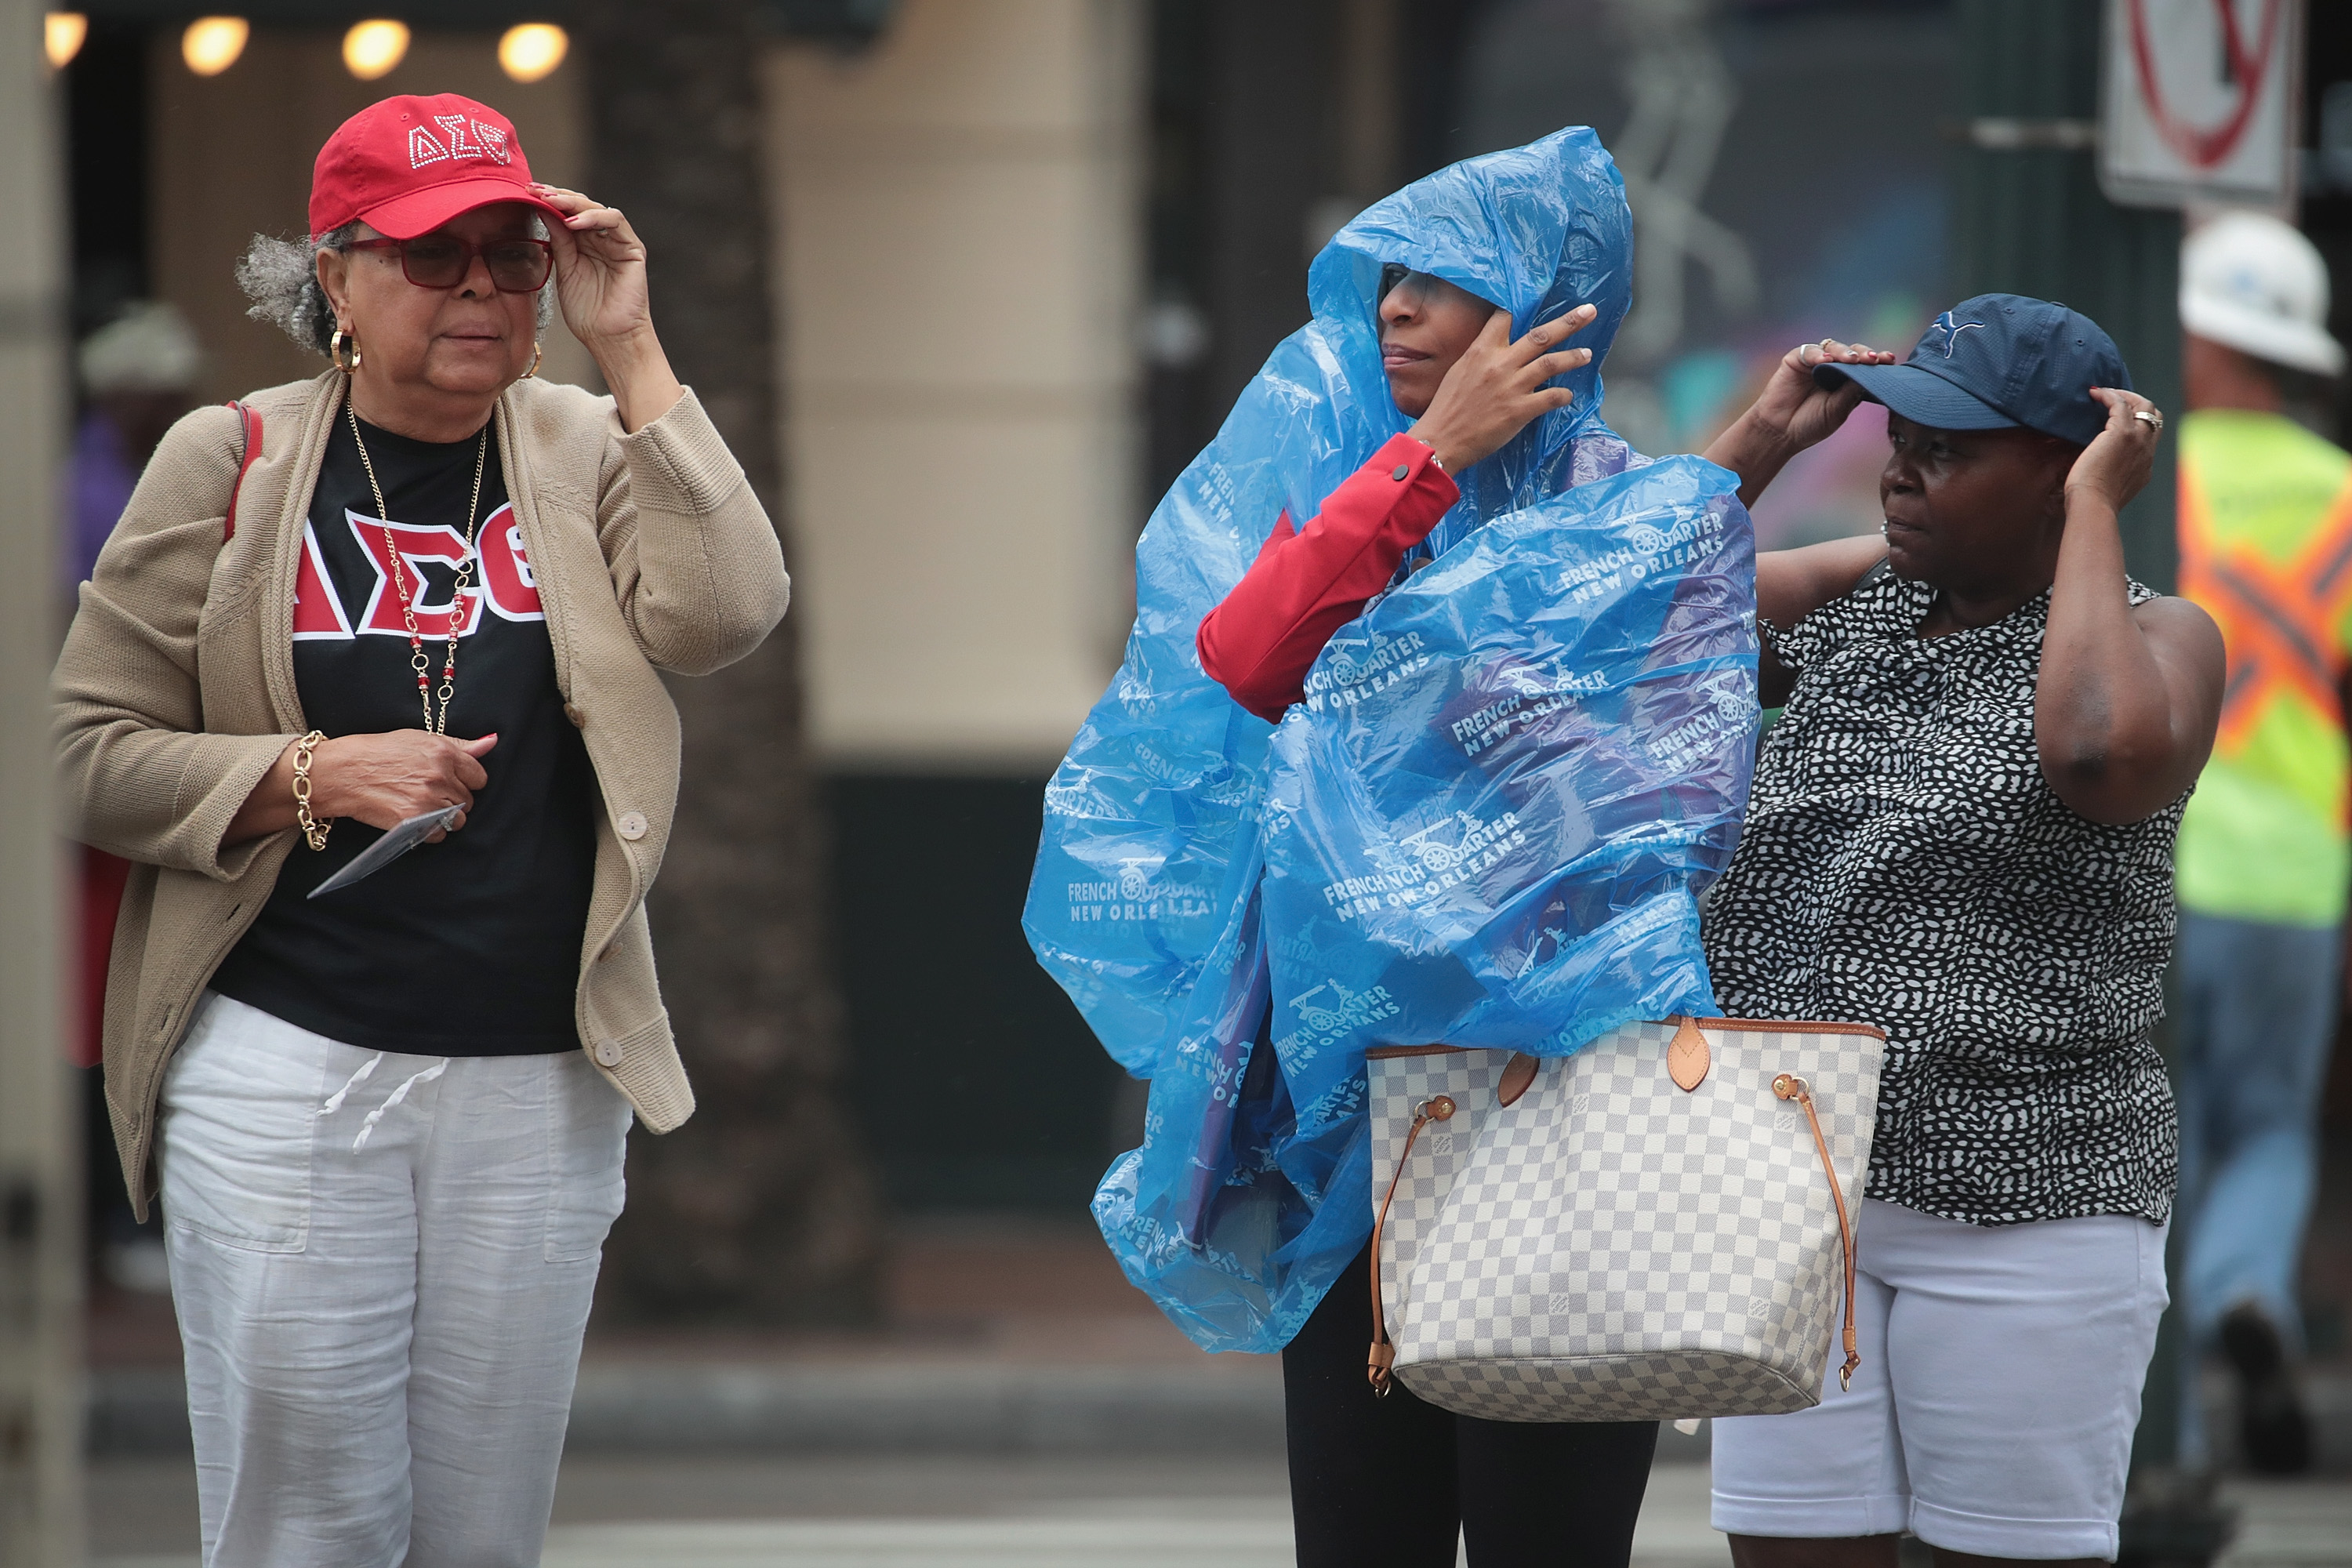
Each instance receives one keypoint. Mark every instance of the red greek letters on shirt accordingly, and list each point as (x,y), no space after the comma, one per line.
(415,543)
(502,579)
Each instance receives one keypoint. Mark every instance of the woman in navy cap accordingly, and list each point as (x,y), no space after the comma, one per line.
(1961,831)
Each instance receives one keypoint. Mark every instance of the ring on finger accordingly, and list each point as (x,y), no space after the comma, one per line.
(2149,417)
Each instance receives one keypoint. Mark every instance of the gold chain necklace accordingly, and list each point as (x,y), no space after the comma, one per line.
(418,659)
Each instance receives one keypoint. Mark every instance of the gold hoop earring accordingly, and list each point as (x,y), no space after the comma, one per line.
(335,351)
(537,354)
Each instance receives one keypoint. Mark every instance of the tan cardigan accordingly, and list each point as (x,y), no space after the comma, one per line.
(175,693)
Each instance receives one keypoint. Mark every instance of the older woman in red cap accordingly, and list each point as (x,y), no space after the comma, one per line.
(385,1112)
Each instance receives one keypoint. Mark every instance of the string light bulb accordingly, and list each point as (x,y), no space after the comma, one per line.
(212,44)
(373,47)
(62,33)
(532,50)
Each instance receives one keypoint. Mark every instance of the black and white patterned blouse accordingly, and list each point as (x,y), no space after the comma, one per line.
(1905,864)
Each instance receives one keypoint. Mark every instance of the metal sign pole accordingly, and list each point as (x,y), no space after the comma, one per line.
(40,1219)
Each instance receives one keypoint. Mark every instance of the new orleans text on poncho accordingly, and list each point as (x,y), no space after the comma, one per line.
(1439,867)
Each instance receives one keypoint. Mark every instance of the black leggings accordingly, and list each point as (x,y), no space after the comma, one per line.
(1389,1483)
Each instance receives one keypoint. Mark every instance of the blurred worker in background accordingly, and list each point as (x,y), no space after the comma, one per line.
(138,375)
(2264,867)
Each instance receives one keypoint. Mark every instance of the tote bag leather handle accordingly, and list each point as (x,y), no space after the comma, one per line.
(1789,1085)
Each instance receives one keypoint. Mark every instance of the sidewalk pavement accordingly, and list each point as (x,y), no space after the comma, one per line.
(1062,1512)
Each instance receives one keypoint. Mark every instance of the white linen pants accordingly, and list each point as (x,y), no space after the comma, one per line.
(383,1267)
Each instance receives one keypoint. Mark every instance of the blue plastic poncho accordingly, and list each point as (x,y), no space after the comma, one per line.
(1485,825)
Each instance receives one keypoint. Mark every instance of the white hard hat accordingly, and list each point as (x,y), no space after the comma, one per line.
(148,348)
(2257,285)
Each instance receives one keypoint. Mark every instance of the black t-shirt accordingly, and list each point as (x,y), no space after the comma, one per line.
(470,946)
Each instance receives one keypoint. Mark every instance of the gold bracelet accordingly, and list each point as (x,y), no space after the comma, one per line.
(313,830)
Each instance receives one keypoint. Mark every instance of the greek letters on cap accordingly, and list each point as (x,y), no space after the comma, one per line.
(487,142)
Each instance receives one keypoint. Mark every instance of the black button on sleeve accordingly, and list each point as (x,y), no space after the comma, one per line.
(1402,470)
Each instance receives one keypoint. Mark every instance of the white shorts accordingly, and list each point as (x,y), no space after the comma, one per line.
(1994,1407)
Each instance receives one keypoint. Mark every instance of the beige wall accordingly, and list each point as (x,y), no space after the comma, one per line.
(231,157)
(961,220)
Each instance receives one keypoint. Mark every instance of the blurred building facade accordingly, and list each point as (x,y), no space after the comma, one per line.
(958,282)
(959,288)
(1027,252)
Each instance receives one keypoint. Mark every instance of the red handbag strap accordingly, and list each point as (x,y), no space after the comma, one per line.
(252,450)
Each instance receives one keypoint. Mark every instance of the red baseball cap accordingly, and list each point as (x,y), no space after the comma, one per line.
(409,164)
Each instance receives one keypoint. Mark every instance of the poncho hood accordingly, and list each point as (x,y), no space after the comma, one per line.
(1539,230)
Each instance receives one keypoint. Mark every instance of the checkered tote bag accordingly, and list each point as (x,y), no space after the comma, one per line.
(1656,1228)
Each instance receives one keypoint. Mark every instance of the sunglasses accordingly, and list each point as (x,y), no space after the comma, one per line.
(442,261)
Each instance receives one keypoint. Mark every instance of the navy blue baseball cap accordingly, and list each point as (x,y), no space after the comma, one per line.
(1997,360)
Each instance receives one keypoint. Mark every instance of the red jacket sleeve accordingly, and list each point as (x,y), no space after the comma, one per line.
(1307,585)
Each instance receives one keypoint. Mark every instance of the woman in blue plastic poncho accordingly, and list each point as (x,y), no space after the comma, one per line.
(1525,1492)
(1448,381)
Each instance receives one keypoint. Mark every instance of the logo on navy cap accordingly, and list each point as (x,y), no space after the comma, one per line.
(1951,330)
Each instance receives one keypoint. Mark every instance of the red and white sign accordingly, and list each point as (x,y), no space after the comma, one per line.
(2198,101)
